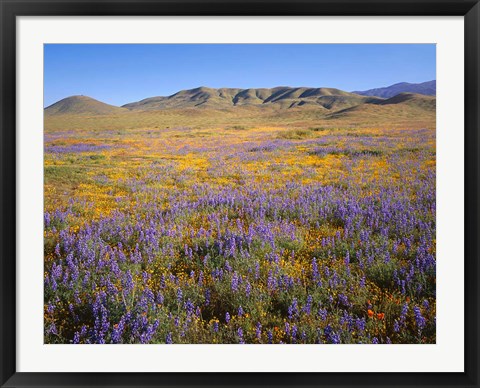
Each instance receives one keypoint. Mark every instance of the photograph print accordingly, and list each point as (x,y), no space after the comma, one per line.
(239,194)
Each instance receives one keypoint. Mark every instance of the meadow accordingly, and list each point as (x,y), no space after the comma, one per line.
(193,229)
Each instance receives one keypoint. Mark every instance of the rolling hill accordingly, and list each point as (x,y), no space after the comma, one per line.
(82,105)
(280,97)
(427,88)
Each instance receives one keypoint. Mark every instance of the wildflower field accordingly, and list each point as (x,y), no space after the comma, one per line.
(195,231)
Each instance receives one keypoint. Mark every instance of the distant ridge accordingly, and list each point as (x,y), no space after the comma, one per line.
(281,97)
(82,105)
(427,88)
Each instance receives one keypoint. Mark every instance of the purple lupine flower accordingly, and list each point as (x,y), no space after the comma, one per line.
(52,329)
(360,323)
(269,336)
(258,330)
(57,250)
(162,282)
(322,314)
(293,309)
(189,307)
(227,317)
(343,299)
(179,295)
(50,308)
(308,306)
(47,219)
(128,283)
(362,282)
(159,298)
(294,333)
(240,335)
(234,282)
(419,319)
(248,289)
(146,337)
(118,329)
(330,335)
(315,273)
(101,325)
(270,282)
(396,326)
(56,271)
(76,337)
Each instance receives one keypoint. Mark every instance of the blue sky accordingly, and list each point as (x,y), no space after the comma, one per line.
(120,73)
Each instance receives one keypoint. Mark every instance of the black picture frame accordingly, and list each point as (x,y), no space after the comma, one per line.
(10,9)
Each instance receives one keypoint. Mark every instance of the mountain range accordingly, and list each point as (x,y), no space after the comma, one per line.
(326,100)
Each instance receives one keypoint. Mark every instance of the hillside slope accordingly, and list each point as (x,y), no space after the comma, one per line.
(412,99)
(82,105)
(282,97)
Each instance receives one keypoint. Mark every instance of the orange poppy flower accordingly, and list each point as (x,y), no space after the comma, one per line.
(370,313)
(381,315)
